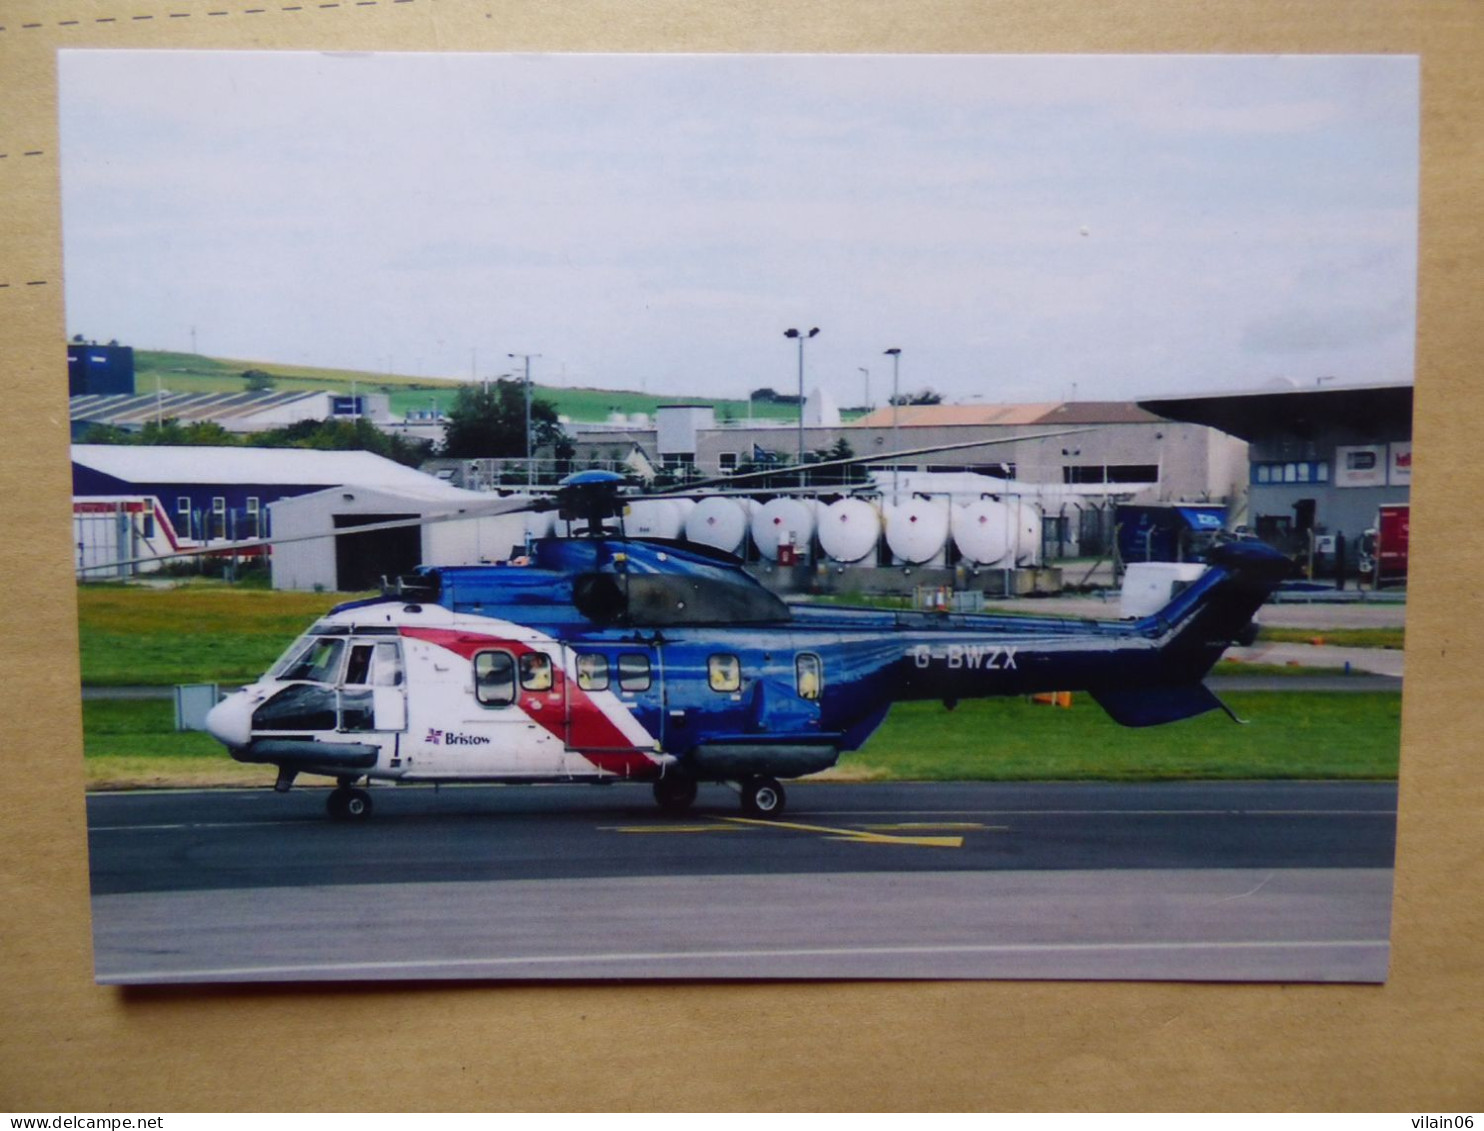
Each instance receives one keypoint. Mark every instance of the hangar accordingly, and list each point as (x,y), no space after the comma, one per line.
(222,492)
(1323,458)
(306,557)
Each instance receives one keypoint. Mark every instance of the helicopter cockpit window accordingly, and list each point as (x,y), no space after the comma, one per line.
(633,671)
(724,672)
(809,675)
(318,663)
(386,669)
(535,671)
(592,672)
(494,678)
(358,667)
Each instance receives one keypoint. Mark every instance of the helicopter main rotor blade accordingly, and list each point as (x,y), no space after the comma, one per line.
(849,461)
(492,510)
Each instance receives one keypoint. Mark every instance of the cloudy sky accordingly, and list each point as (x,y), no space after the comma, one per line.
(1022,228)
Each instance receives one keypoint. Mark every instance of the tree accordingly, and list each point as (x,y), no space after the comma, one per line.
(358,435)
(489,422)
(924,396)
(258,380)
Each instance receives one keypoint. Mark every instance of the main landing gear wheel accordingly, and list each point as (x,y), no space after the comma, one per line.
(763,797)
(349,804)
(674,793)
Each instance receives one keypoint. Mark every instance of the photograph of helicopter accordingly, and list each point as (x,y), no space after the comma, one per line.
(609,658)
(556,745)
(602,657)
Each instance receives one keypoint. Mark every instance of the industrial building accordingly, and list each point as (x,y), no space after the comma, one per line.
(95,369)
(1323,458)
(236,412)
(434,531)
(179,497)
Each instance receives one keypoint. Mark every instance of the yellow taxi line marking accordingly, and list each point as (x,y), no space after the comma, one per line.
(936,826)
(667,829)
(860,836)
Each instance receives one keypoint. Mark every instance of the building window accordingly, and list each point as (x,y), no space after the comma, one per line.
(494,678)
(1111,473)
(218,504)
(727,461)
(724,672)
(1290,471)
(183,505)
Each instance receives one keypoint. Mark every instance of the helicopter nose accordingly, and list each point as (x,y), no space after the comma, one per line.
(230,721)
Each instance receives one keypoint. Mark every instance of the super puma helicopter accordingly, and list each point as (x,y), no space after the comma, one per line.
(608,658)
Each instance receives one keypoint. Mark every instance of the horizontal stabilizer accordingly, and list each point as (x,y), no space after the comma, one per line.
(1147,706)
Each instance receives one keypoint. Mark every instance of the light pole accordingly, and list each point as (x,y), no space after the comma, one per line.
(866,373)
(802,336)
(896,358)
(526,357)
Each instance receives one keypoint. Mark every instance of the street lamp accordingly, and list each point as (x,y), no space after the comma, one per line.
(896,358)
(801,335)
(866,373)
(526,357)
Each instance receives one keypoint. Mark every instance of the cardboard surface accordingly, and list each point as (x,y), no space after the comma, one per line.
(1411,1045)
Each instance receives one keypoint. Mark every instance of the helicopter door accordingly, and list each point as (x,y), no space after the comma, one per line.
(616,699)
(373,695)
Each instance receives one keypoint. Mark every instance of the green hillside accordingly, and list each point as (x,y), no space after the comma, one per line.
(194,373)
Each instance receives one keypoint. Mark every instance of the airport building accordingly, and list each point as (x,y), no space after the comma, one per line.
(1323,458)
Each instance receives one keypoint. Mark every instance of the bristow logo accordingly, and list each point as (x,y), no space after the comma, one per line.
(454,738)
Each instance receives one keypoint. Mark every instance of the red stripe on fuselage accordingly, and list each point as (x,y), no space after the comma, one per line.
(588,730)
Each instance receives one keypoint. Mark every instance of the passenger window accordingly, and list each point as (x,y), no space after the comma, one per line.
(633,671)
(535,671)
(494,678)
(809,675)
(592,672)
(724,671)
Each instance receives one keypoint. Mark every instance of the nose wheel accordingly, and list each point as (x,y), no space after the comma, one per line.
(345,804)
(763,797)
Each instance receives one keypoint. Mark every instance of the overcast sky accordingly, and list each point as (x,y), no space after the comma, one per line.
(1020,227)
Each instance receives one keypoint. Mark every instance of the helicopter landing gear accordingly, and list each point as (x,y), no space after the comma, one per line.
(674,793)
(348,804)
(763,797)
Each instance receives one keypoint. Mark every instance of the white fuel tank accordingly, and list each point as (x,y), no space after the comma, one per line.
(719,522)
(916,529)
(782,522)
(984,531)
(654,518)
(849,529)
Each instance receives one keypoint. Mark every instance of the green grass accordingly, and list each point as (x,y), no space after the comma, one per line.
(1339,637)
(194,634)
(194,373)
(1288,735)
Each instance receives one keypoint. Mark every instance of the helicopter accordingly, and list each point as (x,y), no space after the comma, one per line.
(604,658)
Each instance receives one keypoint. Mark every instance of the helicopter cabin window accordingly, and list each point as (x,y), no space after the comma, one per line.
(373,664)
(494,678)
(535,671)
(809,675)
(724,672)
(633,671)
(592,672)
